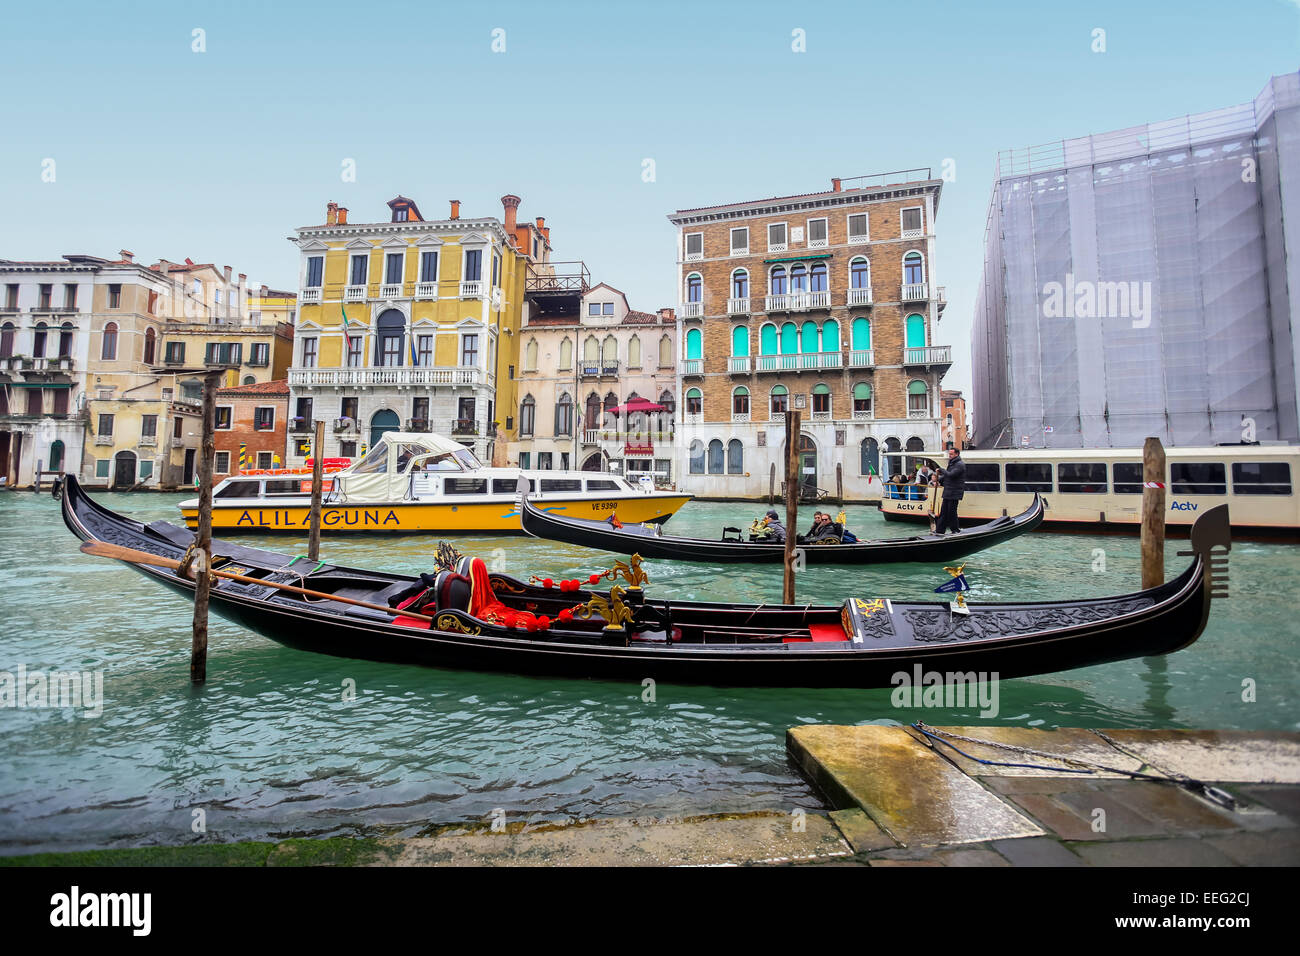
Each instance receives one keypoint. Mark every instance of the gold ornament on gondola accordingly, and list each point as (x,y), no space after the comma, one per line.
(631,571)
(446,558)
(613,611)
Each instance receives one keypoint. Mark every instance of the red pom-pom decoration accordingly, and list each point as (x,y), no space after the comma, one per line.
(548,583)
(543,622)
(594,578)
(566,615)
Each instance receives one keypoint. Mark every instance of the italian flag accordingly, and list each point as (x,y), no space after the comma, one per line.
(346,334)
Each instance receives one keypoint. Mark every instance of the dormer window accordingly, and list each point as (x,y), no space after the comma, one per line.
(401,214)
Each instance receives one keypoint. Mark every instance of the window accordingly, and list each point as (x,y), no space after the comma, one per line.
(634,352)
(393,268)
(740,284)
(566,355)
(696,455)
(607,308)
(776,281)
(740,341)
(694,344)
(473,265)
(360,265)
(913,269)
(221,463)
(465,486)
(780,400)
(597,484)
(39,335)
(496,270)
(564,416)
(593,308)
(694,402)
(821,400)
(304,412)
(694,246)
(544,461)
(355,344)
(561,484)
(469,349)
(250,380)
(429,266)
(735,457)
(223,353)
(174,353)
(178,427)
(912,222)
(264,418)
(859,274)
(776,237)
(46,294)
(424,351)
(1261,478)
(309,353)
(65,340)
(665,352)
(918,400)
(11,296)
(817,233)
(740,402)
(715,457)
(109,350)
(348,407)
(1198,478)
(1080,477)
(315,271)
(694,288)
(115,295)
(261,354)
(817,278)
(1029,476)
(870,457)
(7,340)
(740,241)
(105,425)
(225,415)
(101,468)
(216,296)
(348,449)
(799,278)
(858,227)
(983,476)
(862,400)
(150,344)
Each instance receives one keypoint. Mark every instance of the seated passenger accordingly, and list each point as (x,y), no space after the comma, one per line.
(768,529)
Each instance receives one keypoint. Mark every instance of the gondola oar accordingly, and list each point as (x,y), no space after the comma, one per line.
(103,549)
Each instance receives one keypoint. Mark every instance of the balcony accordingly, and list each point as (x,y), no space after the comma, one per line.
(390,290)
(915,291)
(386,376)
(863,414)
(472,289)
(859,296)
(464,426)
(862,358)
(148,441)
(103,439)
(11,363)
(417,424)
(824,416)
(299,425)
(591,436)
(61,364)
(343,424)
(738,365)
(919,413)
(311,296)
(740,417)
(941,298)
(800,361)
(692,310)
(354,293)
(426,290)
(738,306)
(557,277)
(692,366)
(928,355)
(797,301)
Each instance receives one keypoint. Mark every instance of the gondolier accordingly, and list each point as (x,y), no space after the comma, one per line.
(953,480)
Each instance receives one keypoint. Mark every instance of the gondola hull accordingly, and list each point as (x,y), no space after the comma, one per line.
(653,543)
(720,644)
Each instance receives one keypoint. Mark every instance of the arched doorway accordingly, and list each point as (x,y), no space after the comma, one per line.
(383,421)
(807,465)
(593,462)
(124,469)
(56,456)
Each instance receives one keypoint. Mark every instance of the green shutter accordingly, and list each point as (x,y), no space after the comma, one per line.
(917,388)
(809,343)
(767,338)
(101,468)
(831,336)
(915,331)
(740,341)
(789,339)
(862,390)
(693,344)
(146,468)
(861,334)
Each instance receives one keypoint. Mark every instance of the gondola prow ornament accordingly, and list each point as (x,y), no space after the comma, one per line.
(955,586)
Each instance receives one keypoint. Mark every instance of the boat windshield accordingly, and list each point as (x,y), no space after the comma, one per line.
(466,458)
(375,463)
(444,462)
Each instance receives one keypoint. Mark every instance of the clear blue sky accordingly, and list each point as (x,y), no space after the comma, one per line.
(219,155)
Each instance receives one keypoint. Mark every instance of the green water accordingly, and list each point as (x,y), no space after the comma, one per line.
(269,749)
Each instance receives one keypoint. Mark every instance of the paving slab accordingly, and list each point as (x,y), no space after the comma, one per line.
(1177,852)
(1036,851)
(860,830)
(1260,849)
(1223,756)
(912,794)
(1074,742)
(1168,805)
(707,841)
(974,857)
(1041,784)
(1281,800)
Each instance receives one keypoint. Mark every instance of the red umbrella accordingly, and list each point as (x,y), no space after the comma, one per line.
(636,405)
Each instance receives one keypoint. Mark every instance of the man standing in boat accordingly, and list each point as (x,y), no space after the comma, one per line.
(953,480)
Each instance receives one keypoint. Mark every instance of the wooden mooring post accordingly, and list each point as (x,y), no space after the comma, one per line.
(203,538)
(839,483)
(771,486)
(317,484)
(1153,513)
(793,425)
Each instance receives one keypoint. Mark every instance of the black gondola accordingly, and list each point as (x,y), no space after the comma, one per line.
(649,541)
(862,643)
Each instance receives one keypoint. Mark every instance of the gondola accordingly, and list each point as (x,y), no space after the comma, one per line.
(864,642)
(649,541)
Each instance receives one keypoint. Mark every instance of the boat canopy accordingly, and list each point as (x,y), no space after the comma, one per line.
(383,474)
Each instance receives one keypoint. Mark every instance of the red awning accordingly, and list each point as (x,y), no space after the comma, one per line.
(636,405)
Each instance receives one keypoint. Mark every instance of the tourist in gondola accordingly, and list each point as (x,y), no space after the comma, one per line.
(823,530)
(953,480)
(768,529)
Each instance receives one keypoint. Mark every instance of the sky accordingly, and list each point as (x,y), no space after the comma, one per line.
(215,145)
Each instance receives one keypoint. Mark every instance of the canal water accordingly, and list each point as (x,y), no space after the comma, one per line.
(270,748)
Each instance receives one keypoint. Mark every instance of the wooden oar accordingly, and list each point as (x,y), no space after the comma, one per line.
(103,549)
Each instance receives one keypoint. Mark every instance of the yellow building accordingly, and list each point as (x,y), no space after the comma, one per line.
(411,324)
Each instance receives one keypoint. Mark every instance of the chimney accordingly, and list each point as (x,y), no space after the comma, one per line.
(226,304)
(343,215)
(835,185)
(265,290)
(541,224)
(511,204)
(455,209)
(127,255)
(331,213)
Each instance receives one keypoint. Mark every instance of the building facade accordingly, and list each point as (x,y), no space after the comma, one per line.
(956,429)
(411,324)
(579,371)
(825,302)
(1138,283)
(251,420)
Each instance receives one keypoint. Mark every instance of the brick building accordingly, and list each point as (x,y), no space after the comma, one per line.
(824,302)
(255,416)
(956,429)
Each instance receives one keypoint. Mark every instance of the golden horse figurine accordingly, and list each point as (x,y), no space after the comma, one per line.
(613,611)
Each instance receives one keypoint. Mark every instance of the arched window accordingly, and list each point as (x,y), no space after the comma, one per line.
(767,340)
(56,455)
(610,403)
(870,457)
(715,457)
(893,460)
(250,380)
(860,273)
(789,339)
(697,457)
(694,348)
(609,351)
(665,351)
(914,444)
(564,415)
(65,339)
(918,399)
(593,411)
(566,354)
(7,340)
(798,279)
(808,338)
(109,350)
(590,351)
(39,335)
(530,355)
(862,400)
(915,331)
(150,341)
(830,336)
(740,284)
(780,400)
(817,278)
(694,401)
(527,415)
(821,398)
(740,402)
(735,457)
(694,288)
(861,334)
(390,335)
(634,352)
(665,418)
(740,341)
(776,281)
(913,268)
